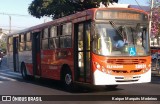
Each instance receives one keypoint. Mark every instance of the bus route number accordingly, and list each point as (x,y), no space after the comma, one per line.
(140,66)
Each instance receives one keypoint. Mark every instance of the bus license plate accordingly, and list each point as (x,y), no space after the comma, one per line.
(128,77)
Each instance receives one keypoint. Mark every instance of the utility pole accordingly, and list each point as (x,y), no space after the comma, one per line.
(9,24)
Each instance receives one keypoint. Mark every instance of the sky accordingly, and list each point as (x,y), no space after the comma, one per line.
(133,2)
(20,7)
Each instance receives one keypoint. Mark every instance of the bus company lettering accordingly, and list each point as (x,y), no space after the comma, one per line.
(114,66)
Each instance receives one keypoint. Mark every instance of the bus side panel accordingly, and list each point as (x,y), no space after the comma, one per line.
(26,57)
(29,67)
(52,62)
(49,70)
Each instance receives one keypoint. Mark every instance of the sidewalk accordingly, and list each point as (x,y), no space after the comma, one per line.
(155,73)
(4,63)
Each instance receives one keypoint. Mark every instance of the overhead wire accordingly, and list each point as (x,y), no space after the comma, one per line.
(139,5)
(2,13)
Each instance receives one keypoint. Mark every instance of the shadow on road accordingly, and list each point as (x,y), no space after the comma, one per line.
(54,84)
(59,86)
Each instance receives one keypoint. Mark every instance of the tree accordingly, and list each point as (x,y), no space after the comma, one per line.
(60,8)
(155,21)
(3,43)
(155,29)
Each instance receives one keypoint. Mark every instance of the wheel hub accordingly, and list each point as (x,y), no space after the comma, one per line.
(68,79)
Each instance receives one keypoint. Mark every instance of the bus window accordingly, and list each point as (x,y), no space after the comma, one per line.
(45,38)
(65,42)
(22,42)
(45,44)
(22,47)
(28,42)
(28,36)
(53,31)
(68,41)
(67,29)
(59,30)
(28,46)
(87,37)
(21,38)
(80,37)
(53,43)
(53,40)
(45,33)
(65,39)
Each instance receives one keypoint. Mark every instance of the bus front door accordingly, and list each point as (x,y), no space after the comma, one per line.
(82,52)
(36,53)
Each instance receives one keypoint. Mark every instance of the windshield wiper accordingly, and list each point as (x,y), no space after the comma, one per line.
(115,27)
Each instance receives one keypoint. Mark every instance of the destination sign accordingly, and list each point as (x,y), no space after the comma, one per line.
(122,15)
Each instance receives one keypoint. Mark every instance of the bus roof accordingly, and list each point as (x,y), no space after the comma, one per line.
(70,18)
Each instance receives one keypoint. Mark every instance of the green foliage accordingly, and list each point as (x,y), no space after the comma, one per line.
(60,8)
(3,45)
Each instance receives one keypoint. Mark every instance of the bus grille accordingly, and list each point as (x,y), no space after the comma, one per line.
(127,71)
(126,80)
(122,79)
(126,61)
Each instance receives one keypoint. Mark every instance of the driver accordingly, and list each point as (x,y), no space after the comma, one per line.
(119,42)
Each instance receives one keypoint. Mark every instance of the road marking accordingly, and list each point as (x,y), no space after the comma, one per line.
(14,73)
(10,75)
(7,78)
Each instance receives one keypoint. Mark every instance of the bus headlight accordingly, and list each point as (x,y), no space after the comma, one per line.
(97,65)
(109,71)
(102,68)
(143,71)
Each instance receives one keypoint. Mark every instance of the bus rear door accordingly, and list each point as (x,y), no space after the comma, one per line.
(15,54)
(36,53)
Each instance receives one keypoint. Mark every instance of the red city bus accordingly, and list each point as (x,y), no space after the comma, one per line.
(99,46)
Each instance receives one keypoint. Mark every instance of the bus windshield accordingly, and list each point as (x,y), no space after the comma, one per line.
(112,39)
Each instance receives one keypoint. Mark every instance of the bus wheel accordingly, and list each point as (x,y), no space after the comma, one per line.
(67,80)
(111,87)
(24,72)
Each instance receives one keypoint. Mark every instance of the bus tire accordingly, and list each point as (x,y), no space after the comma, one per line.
(24,71)
(67,80)
(111,87)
